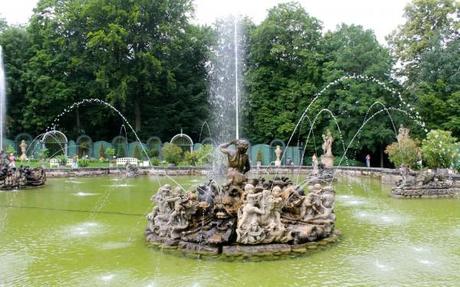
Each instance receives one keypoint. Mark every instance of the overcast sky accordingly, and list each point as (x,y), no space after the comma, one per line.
(382,16)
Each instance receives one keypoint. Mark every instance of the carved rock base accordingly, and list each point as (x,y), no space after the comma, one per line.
(246,252)
(327,161)
(253,217)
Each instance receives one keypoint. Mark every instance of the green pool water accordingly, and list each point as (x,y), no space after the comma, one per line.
(89,232)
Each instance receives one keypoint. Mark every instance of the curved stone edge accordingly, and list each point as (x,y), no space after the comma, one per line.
(244,251)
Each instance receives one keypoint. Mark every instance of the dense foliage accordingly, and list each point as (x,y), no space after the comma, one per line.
(427,47)
(151,62)
(143,57)
(172,153)
(440,149)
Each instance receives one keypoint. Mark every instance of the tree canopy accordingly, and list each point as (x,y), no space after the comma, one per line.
(152,62)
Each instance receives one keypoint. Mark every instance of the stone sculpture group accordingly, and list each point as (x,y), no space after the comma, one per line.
(12,177)
(241,212)
(424,183)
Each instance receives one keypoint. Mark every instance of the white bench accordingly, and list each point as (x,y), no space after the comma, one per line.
(122,161)
(54,162)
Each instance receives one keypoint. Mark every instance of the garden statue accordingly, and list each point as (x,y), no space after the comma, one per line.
(427,183)
(402,133)
(241,214)
(238,160)
(23,147)
(278,152)
(314,165)
(327,159)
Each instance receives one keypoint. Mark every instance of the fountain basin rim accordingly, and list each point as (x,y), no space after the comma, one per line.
(240,251)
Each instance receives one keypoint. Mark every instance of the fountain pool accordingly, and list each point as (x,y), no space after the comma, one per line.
(89,231)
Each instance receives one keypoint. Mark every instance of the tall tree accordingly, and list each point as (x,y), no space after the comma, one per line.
(46,75)
(427,46)
(16,46)
(143,57)
(283,71)
(426,20)
(352,50)
(437,87)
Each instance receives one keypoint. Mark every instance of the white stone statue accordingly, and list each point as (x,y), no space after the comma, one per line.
(402,133)
(327,144)
(327,159)
(23,147)
(314,164)
(278,152)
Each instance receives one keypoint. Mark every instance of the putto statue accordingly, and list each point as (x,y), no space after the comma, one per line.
(327,159)
(327,143)
(243,212)
(403,133)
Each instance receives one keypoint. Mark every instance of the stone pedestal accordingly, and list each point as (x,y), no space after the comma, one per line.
(327,161)
(277,163)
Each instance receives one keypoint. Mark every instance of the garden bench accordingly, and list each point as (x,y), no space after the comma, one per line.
(127,160)
(54,162)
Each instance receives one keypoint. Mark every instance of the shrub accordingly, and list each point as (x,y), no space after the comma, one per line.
(405,152)
(83,162)
(10,150)
(190,158)
(62,159)
(204,154)
(110,152)
(155,161)
(154,151)
(440,149)
(172,153)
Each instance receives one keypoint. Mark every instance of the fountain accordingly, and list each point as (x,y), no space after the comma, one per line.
(244,216)
(225,73)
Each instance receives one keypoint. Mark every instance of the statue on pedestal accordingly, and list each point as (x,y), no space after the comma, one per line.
(327,159)
(402,133)
(314,164)
(278,152)
(23,147)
